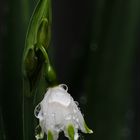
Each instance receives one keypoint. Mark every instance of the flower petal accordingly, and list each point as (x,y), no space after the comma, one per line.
(71,132)
(59,112)
(39,134)
(87,129)
(52,135)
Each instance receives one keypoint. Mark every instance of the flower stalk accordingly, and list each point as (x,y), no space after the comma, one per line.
(36,66)
(57,111)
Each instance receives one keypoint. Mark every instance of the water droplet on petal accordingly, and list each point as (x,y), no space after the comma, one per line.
(65,87)
(37,110)
(77,119)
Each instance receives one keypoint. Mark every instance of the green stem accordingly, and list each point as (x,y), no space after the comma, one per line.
(50,74)
(37,78)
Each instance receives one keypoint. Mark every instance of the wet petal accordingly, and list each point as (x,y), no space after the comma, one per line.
(52,135)
(71,132)
(59,112)
(39,134)
(87,129)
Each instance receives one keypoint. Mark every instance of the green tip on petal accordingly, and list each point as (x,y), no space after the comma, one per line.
(87,129)
(71,132)
(50,135)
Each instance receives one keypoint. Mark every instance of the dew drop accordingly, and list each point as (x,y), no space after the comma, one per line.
(37,110)
(64,86)
(77,119)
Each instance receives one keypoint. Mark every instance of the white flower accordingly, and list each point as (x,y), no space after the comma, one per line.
(59,112)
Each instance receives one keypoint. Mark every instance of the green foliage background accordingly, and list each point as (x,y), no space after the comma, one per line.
(95,51)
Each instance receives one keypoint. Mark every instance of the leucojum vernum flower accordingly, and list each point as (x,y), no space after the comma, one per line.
(58,112)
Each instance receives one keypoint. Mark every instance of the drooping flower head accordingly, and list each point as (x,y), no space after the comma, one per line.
(59,112)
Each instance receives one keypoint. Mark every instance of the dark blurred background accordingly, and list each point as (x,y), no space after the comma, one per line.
(95,51)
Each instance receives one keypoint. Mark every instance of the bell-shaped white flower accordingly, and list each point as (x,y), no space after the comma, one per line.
(59,112)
